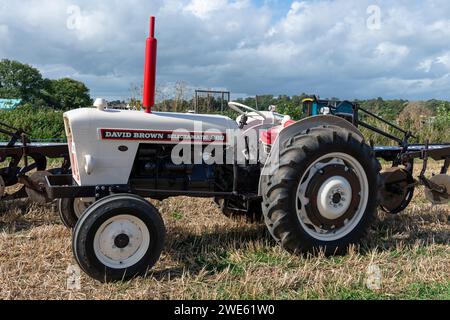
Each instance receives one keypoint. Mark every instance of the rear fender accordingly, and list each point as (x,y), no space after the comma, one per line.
(295,130)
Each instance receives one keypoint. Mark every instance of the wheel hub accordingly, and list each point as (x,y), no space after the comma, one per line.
(334,197)
(333,194)
(122,241)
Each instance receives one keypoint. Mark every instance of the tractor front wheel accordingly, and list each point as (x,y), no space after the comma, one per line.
(71,209)
(323,193)
(118,237)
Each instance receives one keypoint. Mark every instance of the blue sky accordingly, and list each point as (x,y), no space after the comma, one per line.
(278,7)
(344,48)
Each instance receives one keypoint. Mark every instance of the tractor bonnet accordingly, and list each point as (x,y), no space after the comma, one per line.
(103,144)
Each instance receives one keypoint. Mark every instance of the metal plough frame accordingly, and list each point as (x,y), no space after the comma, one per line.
(18,152)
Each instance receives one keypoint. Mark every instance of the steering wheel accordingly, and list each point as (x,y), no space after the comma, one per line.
(239,106)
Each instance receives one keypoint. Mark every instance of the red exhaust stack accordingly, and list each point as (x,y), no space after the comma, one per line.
(150,69)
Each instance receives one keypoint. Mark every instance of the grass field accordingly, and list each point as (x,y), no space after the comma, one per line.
(208,256)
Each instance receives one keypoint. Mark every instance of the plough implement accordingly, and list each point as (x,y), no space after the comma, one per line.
(26,164)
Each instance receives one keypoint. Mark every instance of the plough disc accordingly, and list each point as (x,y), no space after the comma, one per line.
(35,187)
(397,191)
(436,197)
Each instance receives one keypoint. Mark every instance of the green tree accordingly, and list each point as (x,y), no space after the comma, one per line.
(289,108)
(66,94)
(443,116)
(264,101)
(40,123)
(20,81)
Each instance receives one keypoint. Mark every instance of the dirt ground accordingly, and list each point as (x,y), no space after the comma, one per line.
(208,256)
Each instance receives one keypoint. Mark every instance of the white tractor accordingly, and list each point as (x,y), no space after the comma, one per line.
(321,193)
(316,181)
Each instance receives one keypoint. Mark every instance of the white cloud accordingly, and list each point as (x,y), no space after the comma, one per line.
(296,6)
(240,4)
(444,59)
(439,64)
(320,46)
(203,8)
(426,65)
(391,54)
(391,50)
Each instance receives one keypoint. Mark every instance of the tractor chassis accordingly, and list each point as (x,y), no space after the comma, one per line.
(64,186)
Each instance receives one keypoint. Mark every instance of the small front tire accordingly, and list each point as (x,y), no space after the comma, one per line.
(118,238)
(71,209)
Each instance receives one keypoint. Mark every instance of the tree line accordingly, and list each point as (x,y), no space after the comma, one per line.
(24,82)
(425,119)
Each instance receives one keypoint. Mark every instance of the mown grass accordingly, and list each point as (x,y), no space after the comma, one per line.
(208,256)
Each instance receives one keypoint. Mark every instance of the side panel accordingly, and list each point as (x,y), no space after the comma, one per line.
(105,143)
(107,163)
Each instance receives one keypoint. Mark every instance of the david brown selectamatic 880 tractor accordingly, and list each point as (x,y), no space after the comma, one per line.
(316,183)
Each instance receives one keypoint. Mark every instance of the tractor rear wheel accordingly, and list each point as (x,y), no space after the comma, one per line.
(118,238)
(323,194)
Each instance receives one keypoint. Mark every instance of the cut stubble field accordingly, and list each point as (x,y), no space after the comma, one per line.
(208,256)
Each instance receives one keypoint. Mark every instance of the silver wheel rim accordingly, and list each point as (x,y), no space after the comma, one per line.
(121,241)
(334,185)
(80,206)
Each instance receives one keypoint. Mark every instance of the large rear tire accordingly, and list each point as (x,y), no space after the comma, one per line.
(118,238)
(323,194)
